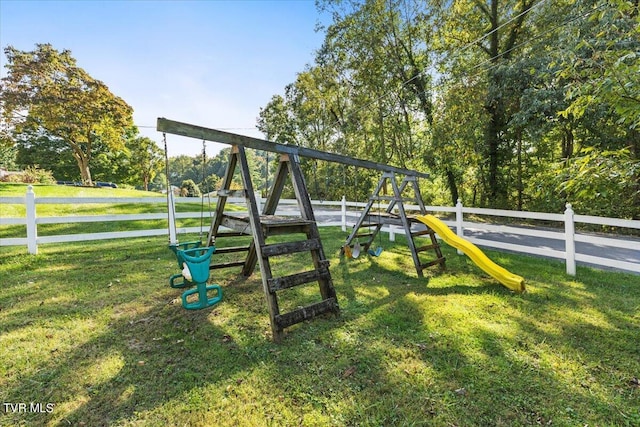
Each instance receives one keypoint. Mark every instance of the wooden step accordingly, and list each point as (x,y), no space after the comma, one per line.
(427,247)
(363,235)
(285,282)
(421,232)
(392,199)
(370,224)
(226,265)
(434,262)
(231,249)
(306,313)
(290,247)
(229,234)
(232,193)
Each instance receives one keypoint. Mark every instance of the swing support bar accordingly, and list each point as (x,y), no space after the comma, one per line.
(199,132)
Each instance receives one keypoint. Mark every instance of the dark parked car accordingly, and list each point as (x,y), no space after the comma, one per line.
(106,184)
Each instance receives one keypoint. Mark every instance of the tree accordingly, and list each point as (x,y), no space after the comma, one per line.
(47,152)
(146,160)
(189,189)
(45,91)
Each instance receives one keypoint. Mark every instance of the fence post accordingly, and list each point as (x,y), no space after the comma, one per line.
(459,229)
(32,230)
(344,213)
(569,237)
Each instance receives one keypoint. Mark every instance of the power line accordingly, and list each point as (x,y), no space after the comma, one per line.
(493,58)
(457,53)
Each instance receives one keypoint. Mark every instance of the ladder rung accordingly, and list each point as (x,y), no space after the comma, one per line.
(232,249)
(290,247)
(285,282)
(434,262)
(305,313)
(230,234)
(393,198)
(226,265)
(363,235)
(422,232)
(427,247)
(370,224)
(231,193)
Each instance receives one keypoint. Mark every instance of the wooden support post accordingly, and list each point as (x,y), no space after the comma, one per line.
(261,225)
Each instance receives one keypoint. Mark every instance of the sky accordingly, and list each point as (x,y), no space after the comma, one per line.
(208,63)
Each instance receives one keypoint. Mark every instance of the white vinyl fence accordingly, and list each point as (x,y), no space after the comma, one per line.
(557,243)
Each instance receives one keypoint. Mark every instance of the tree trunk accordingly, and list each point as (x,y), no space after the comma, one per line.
(493,141)
(82,158)
(633,137)
(83,165)
(520,180)
(567,143)
(453,187)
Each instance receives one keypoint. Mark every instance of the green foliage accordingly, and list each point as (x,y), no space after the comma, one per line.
(32,175)
(595,182)
(8,157)
(61,100)
(603,65)
(146,160)
(188,188)
(522,86)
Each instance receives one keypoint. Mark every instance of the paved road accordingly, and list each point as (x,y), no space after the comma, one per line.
(333,216)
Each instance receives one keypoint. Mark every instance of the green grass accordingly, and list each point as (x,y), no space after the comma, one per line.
(95,329)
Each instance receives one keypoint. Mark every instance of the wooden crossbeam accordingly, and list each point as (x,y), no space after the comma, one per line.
(202,133)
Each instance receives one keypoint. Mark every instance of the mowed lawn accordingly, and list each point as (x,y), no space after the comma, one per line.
(92,335)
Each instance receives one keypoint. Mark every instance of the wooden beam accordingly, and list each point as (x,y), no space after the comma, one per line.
(202,133)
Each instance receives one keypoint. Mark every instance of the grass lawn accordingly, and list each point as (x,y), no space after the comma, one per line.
(94,330)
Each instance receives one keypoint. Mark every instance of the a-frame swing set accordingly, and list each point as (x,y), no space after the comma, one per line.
(261,225)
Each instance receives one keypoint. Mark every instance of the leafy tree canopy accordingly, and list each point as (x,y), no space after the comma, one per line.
(45,91)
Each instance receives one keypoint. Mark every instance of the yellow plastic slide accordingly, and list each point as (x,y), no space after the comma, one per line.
(508,279)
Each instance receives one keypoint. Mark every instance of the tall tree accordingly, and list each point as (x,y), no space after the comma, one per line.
(45,90)
(487,31)
(146,160)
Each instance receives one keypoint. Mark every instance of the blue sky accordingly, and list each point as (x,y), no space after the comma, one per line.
(210,63)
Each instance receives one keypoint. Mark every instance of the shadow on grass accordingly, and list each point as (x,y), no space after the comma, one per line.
(450,349)
(573,341)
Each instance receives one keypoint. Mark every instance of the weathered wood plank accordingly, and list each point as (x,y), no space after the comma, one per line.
(231,193)
(229,234)
(290,247)
(421,233)
(306,313)
(440,261)
(237,224)
(285,282)
(226,265)
(231,249)
(199,132)
(426,247)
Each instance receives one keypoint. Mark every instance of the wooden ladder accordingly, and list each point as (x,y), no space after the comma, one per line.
(265,224)
(374,222)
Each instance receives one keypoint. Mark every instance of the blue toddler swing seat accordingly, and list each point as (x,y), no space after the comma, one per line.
(193,258)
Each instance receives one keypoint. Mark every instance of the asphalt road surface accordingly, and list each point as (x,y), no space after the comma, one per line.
(331,216)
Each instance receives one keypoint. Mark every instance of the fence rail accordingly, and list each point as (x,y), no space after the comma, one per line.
(343,213)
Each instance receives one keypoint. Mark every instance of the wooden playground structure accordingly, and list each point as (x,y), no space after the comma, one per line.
(261,225)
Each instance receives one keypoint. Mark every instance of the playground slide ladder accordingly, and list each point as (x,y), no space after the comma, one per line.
(260,252)
(374,221)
